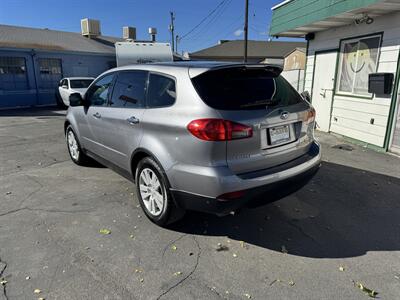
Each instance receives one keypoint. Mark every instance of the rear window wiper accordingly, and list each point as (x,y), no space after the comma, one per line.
(261,103)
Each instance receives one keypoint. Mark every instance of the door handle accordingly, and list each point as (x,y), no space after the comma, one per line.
(133,120)
(97,115)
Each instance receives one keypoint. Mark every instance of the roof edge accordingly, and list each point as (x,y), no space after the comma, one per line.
(281,4)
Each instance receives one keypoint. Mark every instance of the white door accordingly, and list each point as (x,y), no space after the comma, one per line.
(323,86)
(395,145)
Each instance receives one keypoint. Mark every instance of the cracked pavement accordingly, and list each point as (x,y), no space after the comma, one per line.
(51,212)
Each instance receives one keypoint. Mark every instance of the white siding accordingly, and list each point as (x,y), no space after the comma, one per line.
(309,71)
(353,116)
(295,78)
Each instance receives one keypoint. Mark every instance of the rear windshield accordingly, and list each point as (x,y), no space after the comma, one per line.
(244,89)
(80,83)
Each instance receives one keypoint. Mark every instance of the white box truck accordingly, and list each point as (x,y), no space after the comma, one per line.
(132,52)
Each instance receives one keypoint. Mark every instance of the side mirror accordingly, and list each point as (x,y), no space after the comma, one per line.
(75,99)
(64,86)
(306,96)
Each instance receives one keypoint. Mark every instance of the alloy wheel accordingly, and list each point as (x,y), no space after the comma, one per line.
(151,191)
(73,145)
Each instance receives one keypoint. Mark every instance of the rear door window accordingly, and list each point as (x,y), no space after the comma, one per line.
(161,92)
(129,89)
(243,88)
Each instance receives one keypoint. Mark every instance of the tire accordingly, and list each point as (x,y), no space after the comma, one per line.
(152,184)
(74,148)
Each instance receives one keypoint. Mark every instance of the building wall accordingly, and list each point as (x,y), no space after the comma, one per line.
(273,61)
(295,61)
(350,115)
(35,94)
(295,78)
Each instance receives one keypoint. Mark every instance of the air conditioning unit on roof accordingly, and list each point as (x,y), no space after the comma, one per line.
(90,28)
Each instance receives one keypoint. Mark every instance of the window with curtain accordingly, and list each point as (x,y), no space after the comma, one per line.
(358,58)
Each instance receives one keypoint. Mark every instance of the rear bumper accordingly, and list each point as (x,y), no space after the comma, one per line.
(259,188)
(252,197)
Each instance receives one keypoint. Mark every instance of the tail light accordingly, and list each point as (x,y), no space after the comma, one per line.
(219,130)
(231,196)
(310,116)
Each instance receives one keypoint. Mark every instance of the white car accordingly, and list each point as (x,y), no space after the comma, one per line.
(70,85)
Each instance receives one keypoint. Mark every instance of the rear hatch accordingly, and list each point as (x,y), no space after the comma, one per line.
(259,97)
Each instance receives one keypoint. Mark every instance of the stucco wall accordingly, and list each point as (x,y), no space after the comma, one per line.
(295,61)
(73,64)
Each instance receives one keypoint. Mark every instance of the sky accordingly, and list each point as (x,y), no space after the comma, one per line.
(225,23)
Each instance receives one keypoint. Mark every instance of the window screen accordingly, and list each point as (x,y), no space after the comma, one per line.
(162,91)
(129,89)
(13,73)
(50,72)
(358,58)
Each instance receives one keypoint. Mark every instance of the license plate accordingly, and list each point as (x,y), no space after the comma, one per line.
(278,135)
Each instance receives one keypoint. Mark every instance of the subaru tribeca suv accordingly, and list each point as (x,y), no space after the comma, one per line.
(199,136)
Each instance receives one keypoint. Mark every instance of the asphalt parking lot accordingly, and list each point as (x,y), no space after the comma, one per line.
(342,228)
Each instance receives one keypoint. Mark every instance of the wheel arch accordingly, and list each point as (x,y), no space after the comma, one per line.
(138,155)
(141,153)
(66,124)
(70,120)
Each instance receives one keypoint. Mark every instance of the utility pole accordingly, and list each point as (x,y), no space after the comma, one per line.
(176,43)
(171,28)
(246,29)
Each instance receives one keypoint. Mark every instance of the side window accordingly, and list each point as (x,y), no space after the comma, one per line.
(13,74)
(162,91)
(129,89)
(98,93)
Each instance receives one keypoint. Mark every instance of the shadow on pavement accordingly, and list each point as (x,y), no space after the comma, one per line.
(50,111)
(342,212)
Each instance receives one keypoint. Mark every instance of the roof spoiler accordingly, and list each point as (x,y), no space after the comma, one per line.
(275,70)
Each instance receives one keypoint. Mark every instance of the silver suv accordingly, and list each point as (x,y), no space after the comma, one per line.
(199,136)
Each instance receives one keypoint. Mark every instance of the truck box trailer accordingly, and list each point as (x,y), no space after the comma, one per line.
(132,52)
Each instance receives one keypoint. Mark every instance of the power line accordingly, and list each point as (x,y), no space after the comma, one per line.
(222,33)
(216,16)
(203,20)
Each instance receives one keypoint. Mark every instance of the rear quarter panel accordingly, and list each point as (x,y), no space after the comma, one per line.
(165,134)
